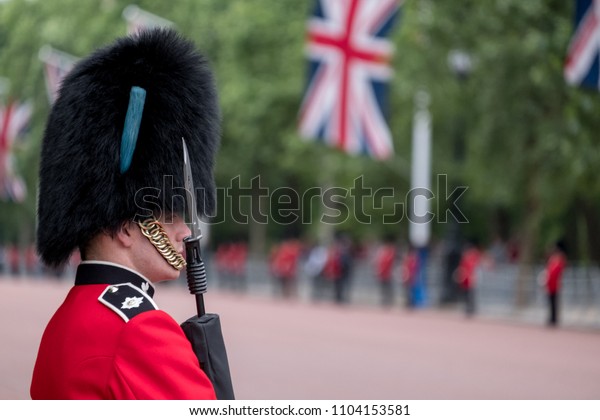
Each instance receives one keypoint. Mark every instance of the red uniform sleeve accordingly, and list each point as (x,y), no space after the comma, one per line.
(154,360)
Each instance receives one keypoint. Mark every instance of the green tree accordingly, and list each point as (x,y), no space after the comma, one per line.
(521,139)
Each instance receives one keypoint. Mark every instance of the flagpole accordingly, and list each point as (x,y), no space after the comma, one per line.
(420,215)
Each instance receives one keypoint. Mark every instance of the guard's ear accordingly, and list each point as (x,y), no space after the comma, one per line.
(125,235)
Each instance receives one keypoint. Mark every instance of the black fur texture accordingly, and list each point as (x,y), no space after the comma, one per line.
(81,190)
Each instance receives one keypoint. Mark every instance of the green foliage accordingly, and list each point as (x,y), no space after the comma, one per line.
(523,141)
(528,138)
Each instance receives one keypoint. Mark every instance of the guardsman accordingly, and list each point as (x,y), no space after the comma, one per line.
(385,261)
(555,267)
(111,187)
(467,274)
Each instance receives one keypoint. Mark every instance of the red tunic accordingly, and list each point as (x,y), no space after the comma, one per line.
(385,263)
(333,265)
(409,268)
(468,267)
(554,269)
(284,262)
(91,350)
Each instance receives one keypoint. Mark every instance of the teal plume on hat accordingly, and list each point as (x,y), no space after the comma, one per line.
(131,130)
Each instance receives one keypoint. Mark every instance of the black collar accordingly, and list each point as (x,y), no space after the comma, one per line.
(100,273)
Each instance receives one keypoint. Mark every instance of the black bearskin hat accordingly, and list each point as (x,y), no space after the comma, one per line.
(90,180)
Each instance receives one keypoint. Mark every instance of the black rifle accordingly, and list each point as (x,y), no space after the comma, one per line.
(203,330)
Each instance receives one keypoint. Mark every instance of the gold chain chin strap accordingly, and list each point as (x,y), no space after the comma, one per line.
(153,230)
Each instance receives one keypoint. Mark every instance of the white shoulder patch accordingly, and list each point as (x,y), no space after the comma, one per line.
(127,300)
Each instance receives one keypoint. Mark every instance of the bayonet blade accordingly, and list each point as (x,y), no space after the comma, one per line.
(190,193)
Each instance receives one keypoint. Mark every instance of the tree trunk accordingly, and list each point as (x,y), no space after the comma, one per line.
(529,234)
(592,224)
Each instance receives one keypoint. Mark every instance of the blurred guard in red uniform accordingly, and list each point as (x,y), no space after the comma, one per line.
(284,266)
(554,271)
(111,185)
(339,265)
(409,272)
(222,262)
(384,265)
(466,274)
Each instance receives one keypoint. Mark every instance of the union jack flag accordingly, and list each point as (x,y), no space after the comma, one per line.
(346,93)
(14,119)
(56,66)
(582,66)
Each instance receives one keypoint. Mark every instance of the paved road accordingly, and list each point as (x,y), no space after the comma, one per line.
(297,350)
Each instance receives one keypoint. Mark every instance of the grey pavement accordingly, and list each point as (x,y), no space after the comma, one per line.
(295,349)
